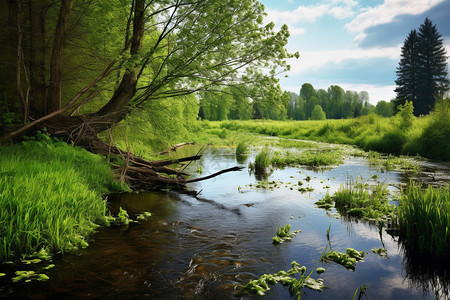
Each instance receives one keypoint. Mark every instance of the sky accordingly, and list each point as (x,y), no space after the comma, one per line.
(355,44)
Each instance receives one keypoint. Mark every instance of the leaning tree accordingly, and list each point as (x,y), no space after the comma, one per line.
(78,67)
(170,48)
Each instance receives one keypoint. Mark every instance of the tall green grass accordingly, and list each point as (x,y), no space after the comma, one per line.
(427,136)
(50,196)
(424,219)
(357,199)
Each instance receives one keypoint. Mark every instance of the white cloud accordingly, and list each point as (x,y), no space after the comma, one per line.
(296,30)
(339,9)
(386,13)
(312,60)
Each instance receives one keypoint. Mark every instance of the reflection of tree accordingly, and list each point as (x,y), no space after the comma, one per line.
(428,273)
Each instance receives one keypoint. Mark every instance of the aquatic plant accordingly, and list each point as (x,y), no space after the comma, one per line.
(262,160)
(325,203)
(261,285)
(362,291)
(284,234)
(347,259)
(424,219)
(380,251)
(361,200)
(29,276)
(241,149)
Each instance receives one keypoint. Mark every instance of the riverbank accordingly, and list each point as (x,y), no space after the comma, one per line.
(51,196)
(427,136)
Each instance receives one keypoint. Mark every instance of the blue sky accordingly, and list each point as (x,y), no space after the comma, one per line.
(355,44)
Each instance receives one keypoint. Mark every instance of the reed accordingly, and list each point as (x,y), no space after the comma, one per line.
(262,160)
(241,149)
(50,196)
(360,200)
(424,219)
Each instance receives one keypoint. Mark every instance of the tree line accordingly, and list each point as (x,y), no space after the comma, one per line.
(309,104)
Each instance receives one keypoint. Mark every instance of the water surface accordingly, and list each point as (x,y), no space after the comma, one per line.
(207,247)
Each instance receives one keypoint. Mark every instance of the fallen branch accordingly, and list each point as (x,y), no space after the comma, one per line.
(215,174)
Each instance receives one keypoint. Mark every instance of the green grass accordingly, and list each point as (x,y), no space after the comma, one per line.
(428,136)
(281,158)
(362,201)
(50,196)
(424,219)
(241,149)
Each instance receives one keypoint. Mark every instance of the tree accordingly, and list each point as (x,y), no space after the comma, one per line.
(432,69)
(407,77)
(384,109)
(422,70)
(167,49)
(318,113)
(307,91)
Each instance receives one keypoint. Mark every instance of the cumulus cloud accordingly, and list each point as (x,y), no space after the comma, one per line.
(390,13)
(313,60)
(339,9)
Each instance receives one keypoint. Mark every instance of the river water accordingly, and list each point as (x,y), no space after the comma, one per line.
(206,247)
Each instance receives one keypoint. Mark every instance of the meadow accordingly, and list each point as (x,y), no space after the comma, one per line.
(427,136)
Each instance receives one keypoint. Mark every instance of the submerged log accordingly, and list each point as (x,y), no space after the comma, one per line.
(145,175)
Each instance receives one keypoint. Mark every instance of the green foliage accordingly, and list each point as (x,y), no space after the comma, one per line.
(380,251)
(347,259)
(422,73)
(261,286)
(317,113)
(406,115)
(241,149)
(390,142)
(284,234)
(262,160)
(50,196)
(384,109)
(160,124)
(424,219)
(435,138)
(362,201)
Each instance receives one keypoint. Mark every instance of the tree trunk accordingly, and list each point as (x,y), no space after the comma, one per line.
(38,107)
(56,61)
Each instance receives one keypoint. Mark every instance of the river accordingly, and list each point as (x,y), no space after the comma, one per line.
(207,247)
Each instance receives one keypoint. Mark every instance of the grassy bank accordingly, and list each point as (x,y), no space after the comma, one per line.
(50,196)
(427,136)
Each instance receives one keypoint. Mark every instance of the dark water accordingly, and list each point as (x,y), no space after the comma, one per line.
(205,248)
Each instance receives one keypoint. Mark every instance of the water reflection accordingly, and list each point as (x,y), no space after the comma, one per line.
(206,247)
(424,272)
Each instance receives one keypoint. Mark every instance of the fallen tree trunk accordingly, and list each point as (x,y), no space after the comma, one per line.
(144,175)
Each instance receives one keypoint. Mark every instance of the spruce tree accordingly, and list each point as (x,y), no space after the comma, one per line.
(407,80)
(422,71)
(432,69)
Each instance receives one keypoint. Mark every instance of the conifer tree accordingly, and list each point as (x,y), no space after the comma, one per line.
(407,71)
(422,71)
(432,68)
